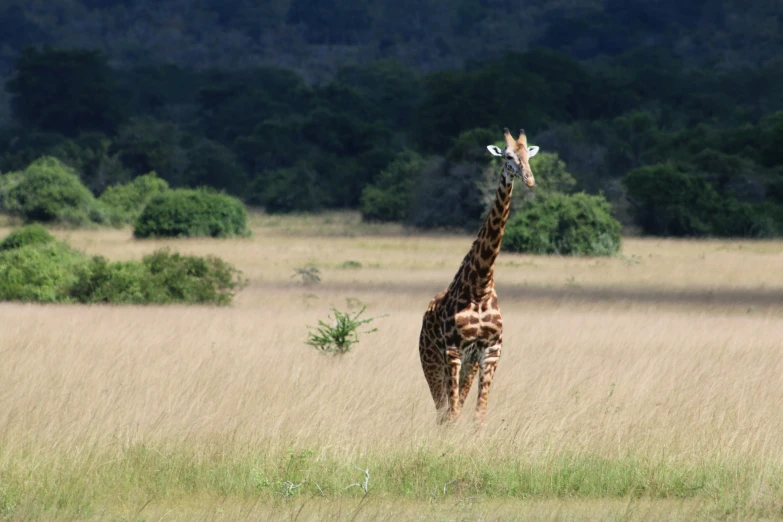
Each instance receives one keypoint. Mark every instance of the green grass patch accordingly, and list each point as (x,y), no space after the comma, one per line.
(84,481)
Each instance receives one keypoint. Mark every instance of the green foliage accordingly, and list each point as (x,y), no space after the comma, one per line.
(145,144)
(89,155)
(35,234)
(448,195)
(389,197)
(7,183)
(34,267)
(288,190)
(771,138)
(329,21)
(551,173)
(320,135)
(131,198)
(391,89)
(160,278)
(49,191)
(188,213)
(577,224)
(672,201)
(65,91)
(471,145)
(43,272)
(338,335)
(214,165)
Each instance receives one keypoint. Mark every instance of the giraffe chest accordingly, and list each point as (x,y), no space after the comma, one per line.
(479,324)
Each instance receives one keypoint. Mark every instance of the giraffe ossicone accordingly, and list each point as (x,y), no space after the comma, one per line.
(462,329)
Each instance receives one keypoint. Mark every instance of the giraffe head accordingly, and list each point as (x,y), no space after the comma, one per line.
(516,156)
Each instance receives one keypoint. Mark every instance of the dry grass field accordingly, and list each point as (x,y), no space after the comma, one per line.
(647,386)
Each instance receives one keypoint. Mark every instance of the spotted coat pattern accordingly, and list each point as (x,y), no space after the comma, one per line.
(462,329)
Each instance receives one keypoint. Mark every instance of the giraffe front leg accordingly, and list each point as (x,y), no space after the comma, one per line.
(486,373)
(466,376)
(453,365)
(434,374)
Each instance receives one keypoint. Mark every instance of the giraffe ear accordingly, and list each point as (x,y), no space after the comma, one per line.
(532,151)
(494,150)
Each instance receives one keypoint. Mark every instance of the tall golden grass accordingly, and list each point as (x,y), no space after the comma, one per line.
(652,379)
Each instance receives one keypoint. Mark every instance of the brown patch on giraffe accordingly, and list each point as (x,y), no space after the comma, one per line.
(487,251)
(464,320)
(469,332)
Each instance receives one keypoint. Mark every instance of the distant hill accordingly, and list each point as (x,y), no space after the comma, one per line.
(314,37)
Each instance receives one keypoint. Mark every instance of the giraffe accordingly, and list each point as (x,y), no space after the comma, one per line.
(462,329)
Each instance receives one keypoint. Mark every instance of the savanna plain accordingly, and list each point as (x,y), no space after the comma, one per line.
(646,386)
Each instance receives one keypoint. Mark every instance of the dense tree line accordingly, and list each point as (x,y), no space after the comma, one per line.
(317,36)
(641,127)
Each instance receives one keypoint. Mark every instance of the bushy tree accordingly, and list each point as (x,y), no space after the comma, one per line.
(295,189)
(49,191)
(130,198)
(35,234)
(38,272)
(671,200)
(189,213)
(329,21)
(446,195)
(65,91)
(213,165)
(146,144)
(564,224)
(551,173)
(162,277)
(35,267)
(389,197)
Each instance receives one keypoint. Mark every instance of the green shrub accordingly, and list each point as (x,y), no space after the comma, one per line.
(551,173)
(293,189)
(38,272)
(50,191)
(388,199)
(337,336)
(130,198)
(34,234)
(671,201)
(445,195)
(160,278)
(36,267)
(188,213)
(7,183)
(577,224)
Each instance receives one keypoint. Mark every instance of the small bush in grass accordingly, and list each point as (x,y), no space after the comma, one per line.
(310,275)
(337,336)
(577,224)
(161,278)
(188,213)
(130,198)
(38,272)
(36,267)
(34,234)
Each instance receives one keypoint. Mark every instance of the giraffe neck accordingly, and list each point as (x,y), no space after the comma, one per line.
(478,268)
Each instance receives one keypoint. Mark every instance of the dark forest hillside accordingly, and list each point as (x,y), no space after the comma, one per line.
(315,36)
(673,110)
